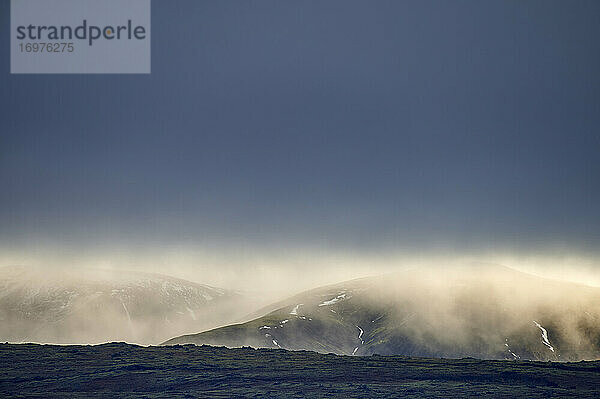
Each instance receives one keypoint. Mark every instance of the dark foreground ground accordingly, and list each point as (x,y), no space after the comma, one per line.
(125,371)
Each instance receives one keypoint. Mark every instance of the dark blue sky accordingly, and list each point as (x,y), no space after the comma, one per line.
(461,124)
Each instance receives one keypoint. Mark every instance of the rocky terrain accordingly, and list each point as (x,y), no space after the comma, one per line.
(126,371)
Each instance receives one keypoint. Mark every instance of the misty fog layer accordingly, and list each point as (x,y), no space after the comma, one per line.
(480,310)
(94,306)
(486,310)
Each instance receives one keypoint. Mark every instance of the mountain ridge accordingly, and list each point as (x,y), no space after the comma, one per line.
(93,306)
(490,312)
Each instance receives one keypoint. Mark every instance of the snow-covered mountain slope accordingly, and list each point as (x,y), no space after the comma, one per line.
(99,306)
(482,311)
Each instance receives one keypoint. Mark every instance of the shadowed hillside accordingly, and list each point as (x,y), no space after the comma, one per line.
(482,311)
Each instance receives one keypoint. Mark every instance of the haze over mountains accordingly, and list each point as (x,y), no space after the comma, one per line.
(100,306)
(483,311)
(480,310)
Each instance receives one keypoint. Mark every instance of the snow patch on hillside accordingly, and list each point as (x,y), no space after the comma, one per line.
(360,334)
(510,351)
(191,311)
(545,339)
(338,298)
(295,310)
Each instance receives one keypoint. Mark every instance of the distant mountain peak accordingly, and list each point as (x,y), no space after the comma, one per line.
(91,306)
